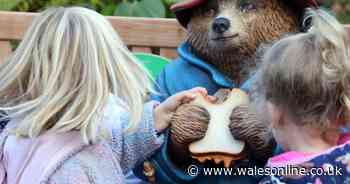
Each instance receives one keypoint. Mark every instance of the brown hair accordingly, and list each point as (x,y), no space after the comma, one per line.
(308,75)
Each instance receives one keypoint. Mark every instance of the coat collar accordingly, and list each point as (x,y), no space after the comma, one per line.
(219,78)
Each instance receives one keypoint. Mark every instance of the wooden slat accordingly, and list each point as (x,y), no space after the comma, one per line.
(141,49)
(154,32)
(347,27)
(5,50)
(170,53)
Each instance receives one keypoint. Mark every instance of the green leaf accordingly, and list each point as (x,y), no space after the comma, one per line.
(8,4)
(108,10)
(151,8)
(170,2)
(144,8)
(125,9)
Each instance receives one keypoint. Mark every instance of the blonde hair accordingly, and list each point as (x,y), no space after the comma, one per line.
(308,75)
(62,73)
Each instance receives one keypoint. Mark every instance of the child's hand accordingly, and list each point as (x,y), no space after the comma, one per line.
(164,111)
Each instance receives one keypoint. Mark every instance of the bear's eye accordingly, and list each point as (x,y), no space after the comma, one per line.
(247,6)
(210,13)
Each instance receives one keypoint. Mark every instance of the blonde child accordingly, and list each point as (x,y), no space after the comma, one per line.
(305,85)
(75,97)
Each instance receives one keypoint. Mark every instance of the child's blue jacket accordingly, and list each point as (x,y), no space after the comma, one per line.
(186,72)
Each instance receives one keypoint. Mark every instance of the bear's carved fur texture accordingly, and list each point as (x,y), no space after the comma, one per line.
(190,124)
(270,20)
(246,126)
(227,35)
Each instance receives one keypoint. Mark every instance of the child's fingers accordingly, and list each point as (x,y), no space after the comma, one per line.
(212,98)
(191,94)
(188,96)
(200,90)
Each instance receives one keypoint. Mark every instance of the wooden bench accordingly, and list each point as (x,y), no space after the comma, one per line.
(150,35)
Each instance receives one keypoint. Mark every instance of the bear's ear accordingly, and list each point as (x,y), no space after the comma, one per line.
(302,8)
(306,20)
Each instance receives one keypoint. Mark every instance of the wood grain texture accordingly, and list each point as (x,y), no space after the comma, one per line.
(170,53)
(5,50)
(141,49)
(347,27)
(140,34)
(148,32)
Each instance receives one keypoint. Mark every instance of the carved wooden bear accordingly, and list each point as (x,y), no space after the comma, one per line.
(220,50)
(226,34)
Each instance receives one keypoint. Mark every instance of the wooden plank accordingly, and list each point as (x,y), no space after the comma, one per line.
(141,49)
(170,53)
(5,50)
(155,32)
(347,27)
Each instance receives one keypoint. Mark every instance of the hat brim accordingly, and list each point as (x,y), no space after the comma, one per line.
(183,9)
(306,3)
(185,5)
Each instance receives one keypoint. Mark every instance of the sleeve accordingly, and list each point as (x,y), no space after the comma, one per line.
(129,148)
(165,171)
(3,120)
(3,175)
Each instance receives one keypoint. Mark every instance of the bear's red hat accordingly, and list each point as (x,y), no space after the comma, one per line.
(183,9)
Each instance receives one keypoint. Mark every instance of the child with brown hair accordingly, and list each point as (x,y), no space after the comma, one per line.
(305,86)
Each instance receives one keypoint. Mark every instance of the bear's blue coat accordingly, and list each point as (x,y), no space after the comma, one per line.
(186,72)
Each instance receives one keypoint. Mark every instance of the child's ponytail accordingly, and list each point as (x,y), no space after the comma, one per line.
(308,74)
(333,42)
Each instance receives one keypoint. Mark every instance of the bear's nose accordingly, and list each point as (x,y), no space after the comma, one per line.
(221,25)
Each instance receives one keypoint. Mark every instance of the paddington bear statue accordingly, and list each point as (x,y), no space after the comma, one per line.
(220,51)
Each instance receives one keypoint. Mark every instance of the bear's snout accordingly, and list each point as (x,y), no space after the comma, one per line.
(221,25)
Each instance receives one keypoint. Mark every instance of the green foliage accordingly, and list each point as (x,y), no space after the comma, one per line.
(143,8)
(340,7)
(140,8)
(8,5)
(134,8)
(106,7)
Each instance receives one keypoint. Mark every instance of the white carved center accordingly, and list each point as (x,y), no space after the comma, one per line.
(218,138)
